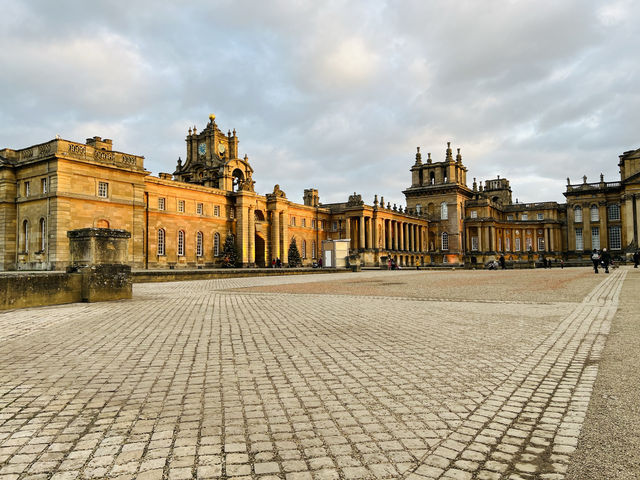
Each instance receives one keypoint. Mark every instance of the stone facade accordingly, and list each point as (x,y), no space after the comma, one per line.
(182,219)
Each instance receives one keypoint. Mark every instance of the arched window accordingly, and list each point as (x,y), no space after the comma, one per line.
(216,244)
(25,236)
(181,243)
(313,249)
(432,178)
(304,249)
(199,242)
(577,214)
(161,241)
(444,211)
(43,234)
(595,216)
(445,241)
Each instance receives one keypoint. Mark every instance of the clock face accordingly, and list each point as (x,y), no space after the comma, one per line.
(221,148)
(202,148)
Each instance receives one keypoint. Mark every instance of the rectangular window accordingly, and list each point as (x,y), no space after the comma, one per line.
(231,213)
(313,249)
(474,214)
(199,208)
(474,244)
(323,224)
(529,244)
(161,242)
(445,241)
(595,214)
(507,243)
(293,221)
(615,240)
(216,210)
(614,212)
(43,185)
(541,244)
(595,238)
(334,226)
(313,223)
(304,222)
(199,242)
(181,243)
(418,209)
(103,189)
(540,216)
(499,244)
(181,206)
(509,217)
(517,244)
(27,188)
(579,240)
(577,215)
(161,203)
(525,216)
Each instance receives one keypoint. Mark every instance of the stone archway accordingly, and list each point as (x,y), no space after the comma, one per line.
(260,251)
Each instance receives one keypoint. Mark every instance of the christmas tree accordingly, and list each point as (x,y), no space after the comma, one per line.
(294,254)
(229,253)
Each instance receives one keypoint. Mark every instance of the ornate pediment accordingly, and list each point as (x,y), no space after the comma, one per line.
(355,200)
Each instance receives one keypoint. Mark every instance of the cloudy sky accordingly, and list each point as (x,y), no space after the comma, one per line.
(334,94)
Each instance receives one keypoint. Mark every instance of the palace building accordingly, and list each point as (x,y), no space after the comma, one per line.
(183,219)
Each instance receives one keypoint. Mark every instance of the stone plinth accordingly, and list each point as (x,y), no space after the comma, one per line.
(100,256)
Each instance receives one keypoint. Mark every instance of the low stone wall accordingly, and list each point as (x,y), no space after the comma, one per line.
(20,290)
(144,276)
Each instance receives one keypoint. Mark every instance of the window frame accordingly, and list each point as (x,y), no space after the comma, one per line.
(444,241)
(162,204)
(579,244)
(161,242)
(199,244)
(180,247)
(103,189)
(181,206)
(216,244)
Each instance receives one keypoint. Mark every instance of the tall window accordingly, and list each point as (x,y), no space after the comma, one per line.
(304,249)
(517,244)
(103,189)
(161,241)
(445,240)
(313,223)
(579,240)
(499,244)
(507,244)
(181,206)
(304,222)
(43,234)
(313,249)
(540,216)
(334,226)
(27,188)
(577,214)
(541,244)
(43,185)
(161,203)
(530,244)
(595,216)
(293,221)
(216,210)
(216,244)
(199,242)
(614,211)
(595,238)
(418,206)
(615,240)
(199,208)
(444,211)
(474,243)
(181,243)
(25,236)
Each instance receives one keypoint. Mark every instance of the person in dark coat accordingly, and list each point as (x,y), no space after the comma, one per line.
(502,262)
(636,259)
(605,258)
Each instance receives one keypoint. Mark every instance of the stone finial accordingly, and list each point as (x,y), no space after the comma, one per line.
(194,130)
(395,207)
(234,132)
(584,179)
(601,177)
(449,156)
(212,118)
(568,181)
(459,157)
(228,133)
(388,205)
(246,157)
(475,185)
(381,201)
(429,157)
(418,157)
(189,131)
(375,200)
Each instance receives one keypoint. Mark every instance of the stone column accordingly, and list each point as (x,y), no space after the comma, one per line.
(361,235)
(394,227)
(284,238)
(251,232)
(370,233)
(275,235)
(373,227)
(347,228)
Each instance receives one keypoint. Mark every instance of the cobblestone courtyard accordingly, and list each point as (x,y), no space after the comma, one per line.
(375,375)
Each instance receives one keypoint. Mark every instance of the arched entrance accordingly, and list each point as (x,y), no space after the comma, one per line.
(260,251)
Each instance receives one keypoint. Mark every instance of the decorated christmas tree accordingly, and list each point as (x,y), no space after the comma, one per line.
(294,254)
(229,253)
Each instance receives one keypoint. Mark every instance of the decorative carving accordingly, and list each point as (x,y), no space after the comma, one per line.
(355,200)
(277,193)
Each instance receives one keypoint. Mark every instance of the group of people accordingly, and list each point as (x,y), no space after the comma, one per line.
(391,264)
(602,259)
(276,263)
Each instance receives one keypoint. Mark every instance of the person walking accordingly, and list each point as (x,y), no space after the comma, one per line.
(605,258)
(595,258)
(636,259)
(502,262)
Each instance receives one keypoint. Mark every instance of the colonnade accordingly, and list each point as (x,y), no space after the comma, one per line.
(386,234)
(489,240)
